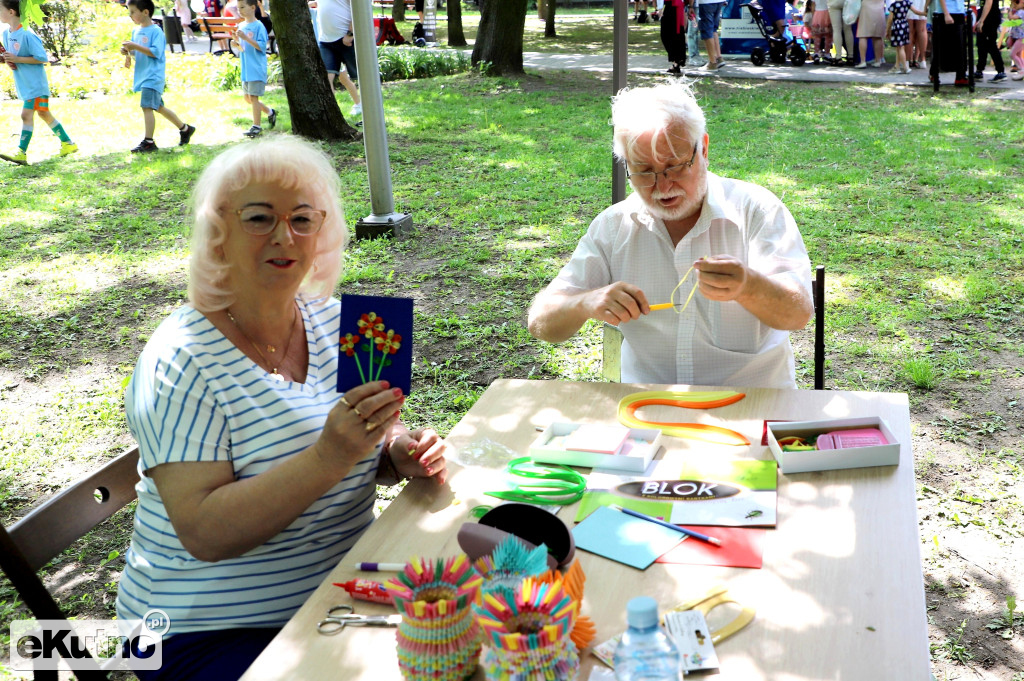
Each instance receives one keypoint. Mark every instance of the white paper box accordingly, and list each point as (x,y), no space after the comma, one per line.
(635,461)
(832,459)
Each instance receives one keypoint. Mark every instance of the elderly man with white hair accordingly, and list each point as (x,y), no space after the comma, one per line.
(750,265)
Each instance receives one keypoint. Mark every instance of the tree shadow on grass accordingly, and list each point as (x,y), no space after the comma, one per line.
(961,624)
(99,328)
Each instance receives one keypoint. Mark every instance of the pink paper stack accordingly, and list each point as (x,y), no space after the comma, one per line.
(438,638)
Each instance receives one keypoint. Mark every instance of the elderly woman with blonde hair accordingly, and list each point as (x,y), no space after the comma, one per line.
(257,476)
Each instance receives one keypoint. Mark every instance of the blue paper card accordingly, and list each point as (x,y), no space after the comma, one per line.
(624,538)
(375,342)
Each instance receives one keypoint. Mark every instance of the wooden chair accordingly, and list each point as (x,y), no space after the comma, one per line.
(611,359)
(49,529)
(220,29)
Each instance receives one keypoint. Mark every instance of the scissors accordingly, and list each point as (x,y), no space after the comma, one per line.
(341,616)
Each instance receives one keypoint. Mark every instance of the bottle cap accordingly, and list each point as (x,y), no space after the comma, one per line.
(642,612)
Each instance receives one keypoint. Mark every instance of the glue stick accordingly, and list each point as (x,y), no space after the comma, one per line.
(366,590)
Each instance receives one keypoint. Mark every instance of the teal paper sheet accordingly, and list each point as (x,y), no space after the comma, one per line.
(623,538)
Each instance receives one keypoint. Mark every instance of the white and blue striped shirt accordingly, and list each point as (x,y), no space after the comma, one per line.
(194,396)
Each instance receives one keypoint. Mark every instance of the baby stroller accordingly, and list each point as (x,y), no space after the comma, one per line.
(778,46)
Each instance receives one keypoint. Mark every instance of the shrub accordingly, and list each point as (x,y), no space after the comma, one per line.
(64,24)
(400,63)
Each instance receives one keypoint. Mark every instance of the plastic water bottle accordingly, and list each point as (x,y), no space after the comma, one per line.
(645,652)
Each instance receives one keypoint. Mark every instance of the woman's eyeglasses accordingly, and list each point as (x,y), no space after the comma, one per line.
(260,221)
(650,178)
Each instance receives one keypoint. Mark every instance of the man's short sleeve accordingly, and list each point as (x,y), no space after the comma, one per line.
(590,265)
(776,248)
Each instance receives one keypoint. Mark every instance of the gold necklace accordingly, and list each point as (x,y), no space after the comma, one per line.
(270,348)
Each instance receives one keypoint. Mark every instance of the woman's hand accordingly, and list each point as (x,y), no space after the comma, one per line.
(358,422)
(419,454)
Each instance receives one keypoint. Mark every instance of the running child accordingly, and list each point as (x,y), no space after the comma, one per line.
(251,40)
(148,47)
(24,53)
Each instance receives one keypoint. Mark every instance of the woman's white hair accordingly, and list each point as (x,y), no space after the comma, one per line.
(289,162)
(658,109)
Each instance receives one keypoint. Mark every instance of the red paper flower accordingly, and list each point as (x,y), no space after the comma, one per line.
(371,325)
(348,344)
(389,342)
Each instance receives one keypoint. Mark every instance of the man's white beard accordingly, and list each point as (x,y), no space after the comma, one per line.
(689,206)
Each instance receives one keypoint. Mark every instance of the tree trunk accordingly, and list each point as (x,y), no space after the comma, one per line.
(549,21)
(398,11)
(542,8)
(314,110)
(456,36)
(499,40)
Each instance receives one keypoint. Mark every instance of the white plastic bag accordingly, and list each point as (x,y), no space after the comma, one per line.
(851,10)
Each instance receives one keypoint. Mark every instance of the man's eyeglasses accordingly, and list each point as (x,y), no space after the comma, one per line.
(260,221)
(650,178)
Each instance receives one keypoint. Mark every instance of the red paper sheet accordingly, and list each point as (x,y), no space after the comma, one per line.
(741,547)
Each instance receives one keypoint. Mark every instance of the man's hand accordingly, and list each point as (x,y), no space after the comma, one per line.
(556,315)
(721,277)
(616,303)
(776,304)
(348,40)
(947,18)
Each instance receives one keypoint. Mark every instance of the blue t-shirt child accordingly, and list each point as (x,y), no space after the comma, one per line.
(149,71)
(29,79)
(254,60)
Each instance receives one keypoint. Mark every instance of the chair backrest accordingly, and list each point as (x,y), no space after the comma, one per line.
(49,529)
(818,293)
(611,365)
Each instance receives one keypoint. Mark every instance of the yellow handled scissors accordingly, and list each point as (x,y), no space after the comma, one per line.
(341,616)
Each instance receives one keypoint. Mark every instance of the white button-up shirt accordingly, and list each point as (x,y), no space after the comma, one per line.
(710,343)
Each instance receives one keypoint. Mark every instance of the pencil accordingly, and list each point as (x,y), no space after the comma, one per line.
(661,306)
(691,533)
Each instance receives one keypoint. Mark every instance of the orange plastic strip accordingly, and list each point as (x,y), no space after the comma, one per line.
(686,404)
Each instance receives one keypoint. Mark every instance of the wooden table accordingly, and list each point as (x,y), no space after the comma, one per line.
(840,596)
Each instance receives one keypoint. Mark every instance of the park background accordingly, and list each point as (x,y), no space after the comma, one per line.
(912,201)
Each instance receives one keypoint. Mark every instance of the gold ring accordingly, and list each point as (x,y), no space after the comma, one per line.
(370,425)
(352,407)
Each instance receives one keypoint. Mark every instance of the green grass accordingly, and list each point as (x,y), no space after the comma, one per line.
(94,246)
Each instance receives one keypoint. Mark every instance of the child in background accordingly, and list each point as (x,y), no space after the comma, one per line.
(808,19)
(918,21)
(821,31)
(24,54)
(184,12)
(148,47)
(898,31)
(1015,38)
(251,40)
